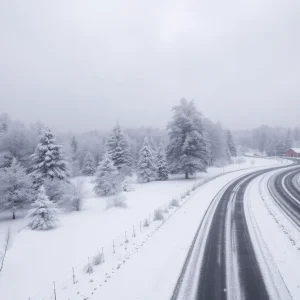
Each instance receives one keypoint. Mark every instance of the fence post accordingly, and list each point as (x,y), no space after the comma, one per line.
(74,281)
(54,290)
(133,231)
(114,247)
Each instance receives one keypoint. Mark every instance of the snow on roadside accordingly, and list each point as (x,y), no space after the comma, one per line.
(36,259)
(279,235)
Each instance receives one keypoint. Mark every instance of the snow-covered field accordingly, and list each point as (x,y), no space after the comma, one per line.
(36,259)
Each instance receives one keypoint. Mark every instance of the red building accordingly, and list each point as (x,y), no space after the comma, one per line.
(293,152)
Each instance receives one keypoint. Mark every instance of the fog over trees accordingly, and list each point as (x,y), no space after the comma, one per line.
(35,160)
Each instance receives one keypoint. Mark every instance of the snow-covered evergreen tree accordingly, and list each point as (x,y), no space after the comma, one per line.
(118,148)
(288,140)
(48,160)
(108,181)
(74,163)
(216,145)
(153,145)
(88,167)
(186,152)
(280,147)
(147,169)
(74,147)
(162,167)
(231,144)
(16,189)
(43,215)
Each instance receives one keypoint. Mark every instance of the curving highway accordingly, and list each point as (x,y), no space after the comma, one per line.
(221,264)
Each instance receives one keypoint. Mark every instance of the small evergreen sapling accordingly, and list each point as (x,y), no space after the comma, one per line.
(44,213)
(231,144)
(88,167)
(162,167)
(147,169)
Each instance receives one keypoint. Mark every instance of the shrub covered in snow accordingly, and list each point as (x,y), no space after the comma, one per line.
(239,160)
(126,186)
(88,268)
(74,198)
(146,223)
(174,203)
(117,201)
(158,215)
(220,163)
(43,215)
(56,190)
(97,259)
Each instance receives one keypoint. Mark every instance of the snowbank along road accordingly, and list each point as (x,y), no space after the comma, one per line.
(222,262)
(284,187)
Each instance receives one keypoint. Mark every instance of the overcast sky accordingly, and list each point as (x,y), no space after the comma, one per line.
(83,65)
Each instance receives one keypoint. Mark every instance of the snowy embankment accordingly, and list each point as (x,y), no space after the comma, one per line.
(36,259)
(278,240)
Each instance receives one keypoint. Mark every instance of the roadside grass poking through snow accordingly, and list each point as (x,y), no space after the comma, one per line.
(97,259)
(158,215)
(174,203)
(88,269)
(117,201)
(146,223)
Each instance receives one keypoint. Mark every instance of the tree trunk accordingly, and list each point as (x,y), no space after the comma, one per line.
(14,215)
(186,175)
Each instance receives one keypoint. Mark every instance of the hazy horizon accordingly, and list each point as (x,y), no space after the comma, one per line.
(80,66)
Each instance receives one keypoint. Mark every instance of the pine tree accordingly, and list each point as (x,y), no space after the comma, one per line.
(230,144)
(288,140)
(147,169)
(43,215)
(107,180)
(280,147)
(186,152)
(48,160)
(88,167)
(74,147)
(162,168)
(15,188)
(153,146)
(118,149)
